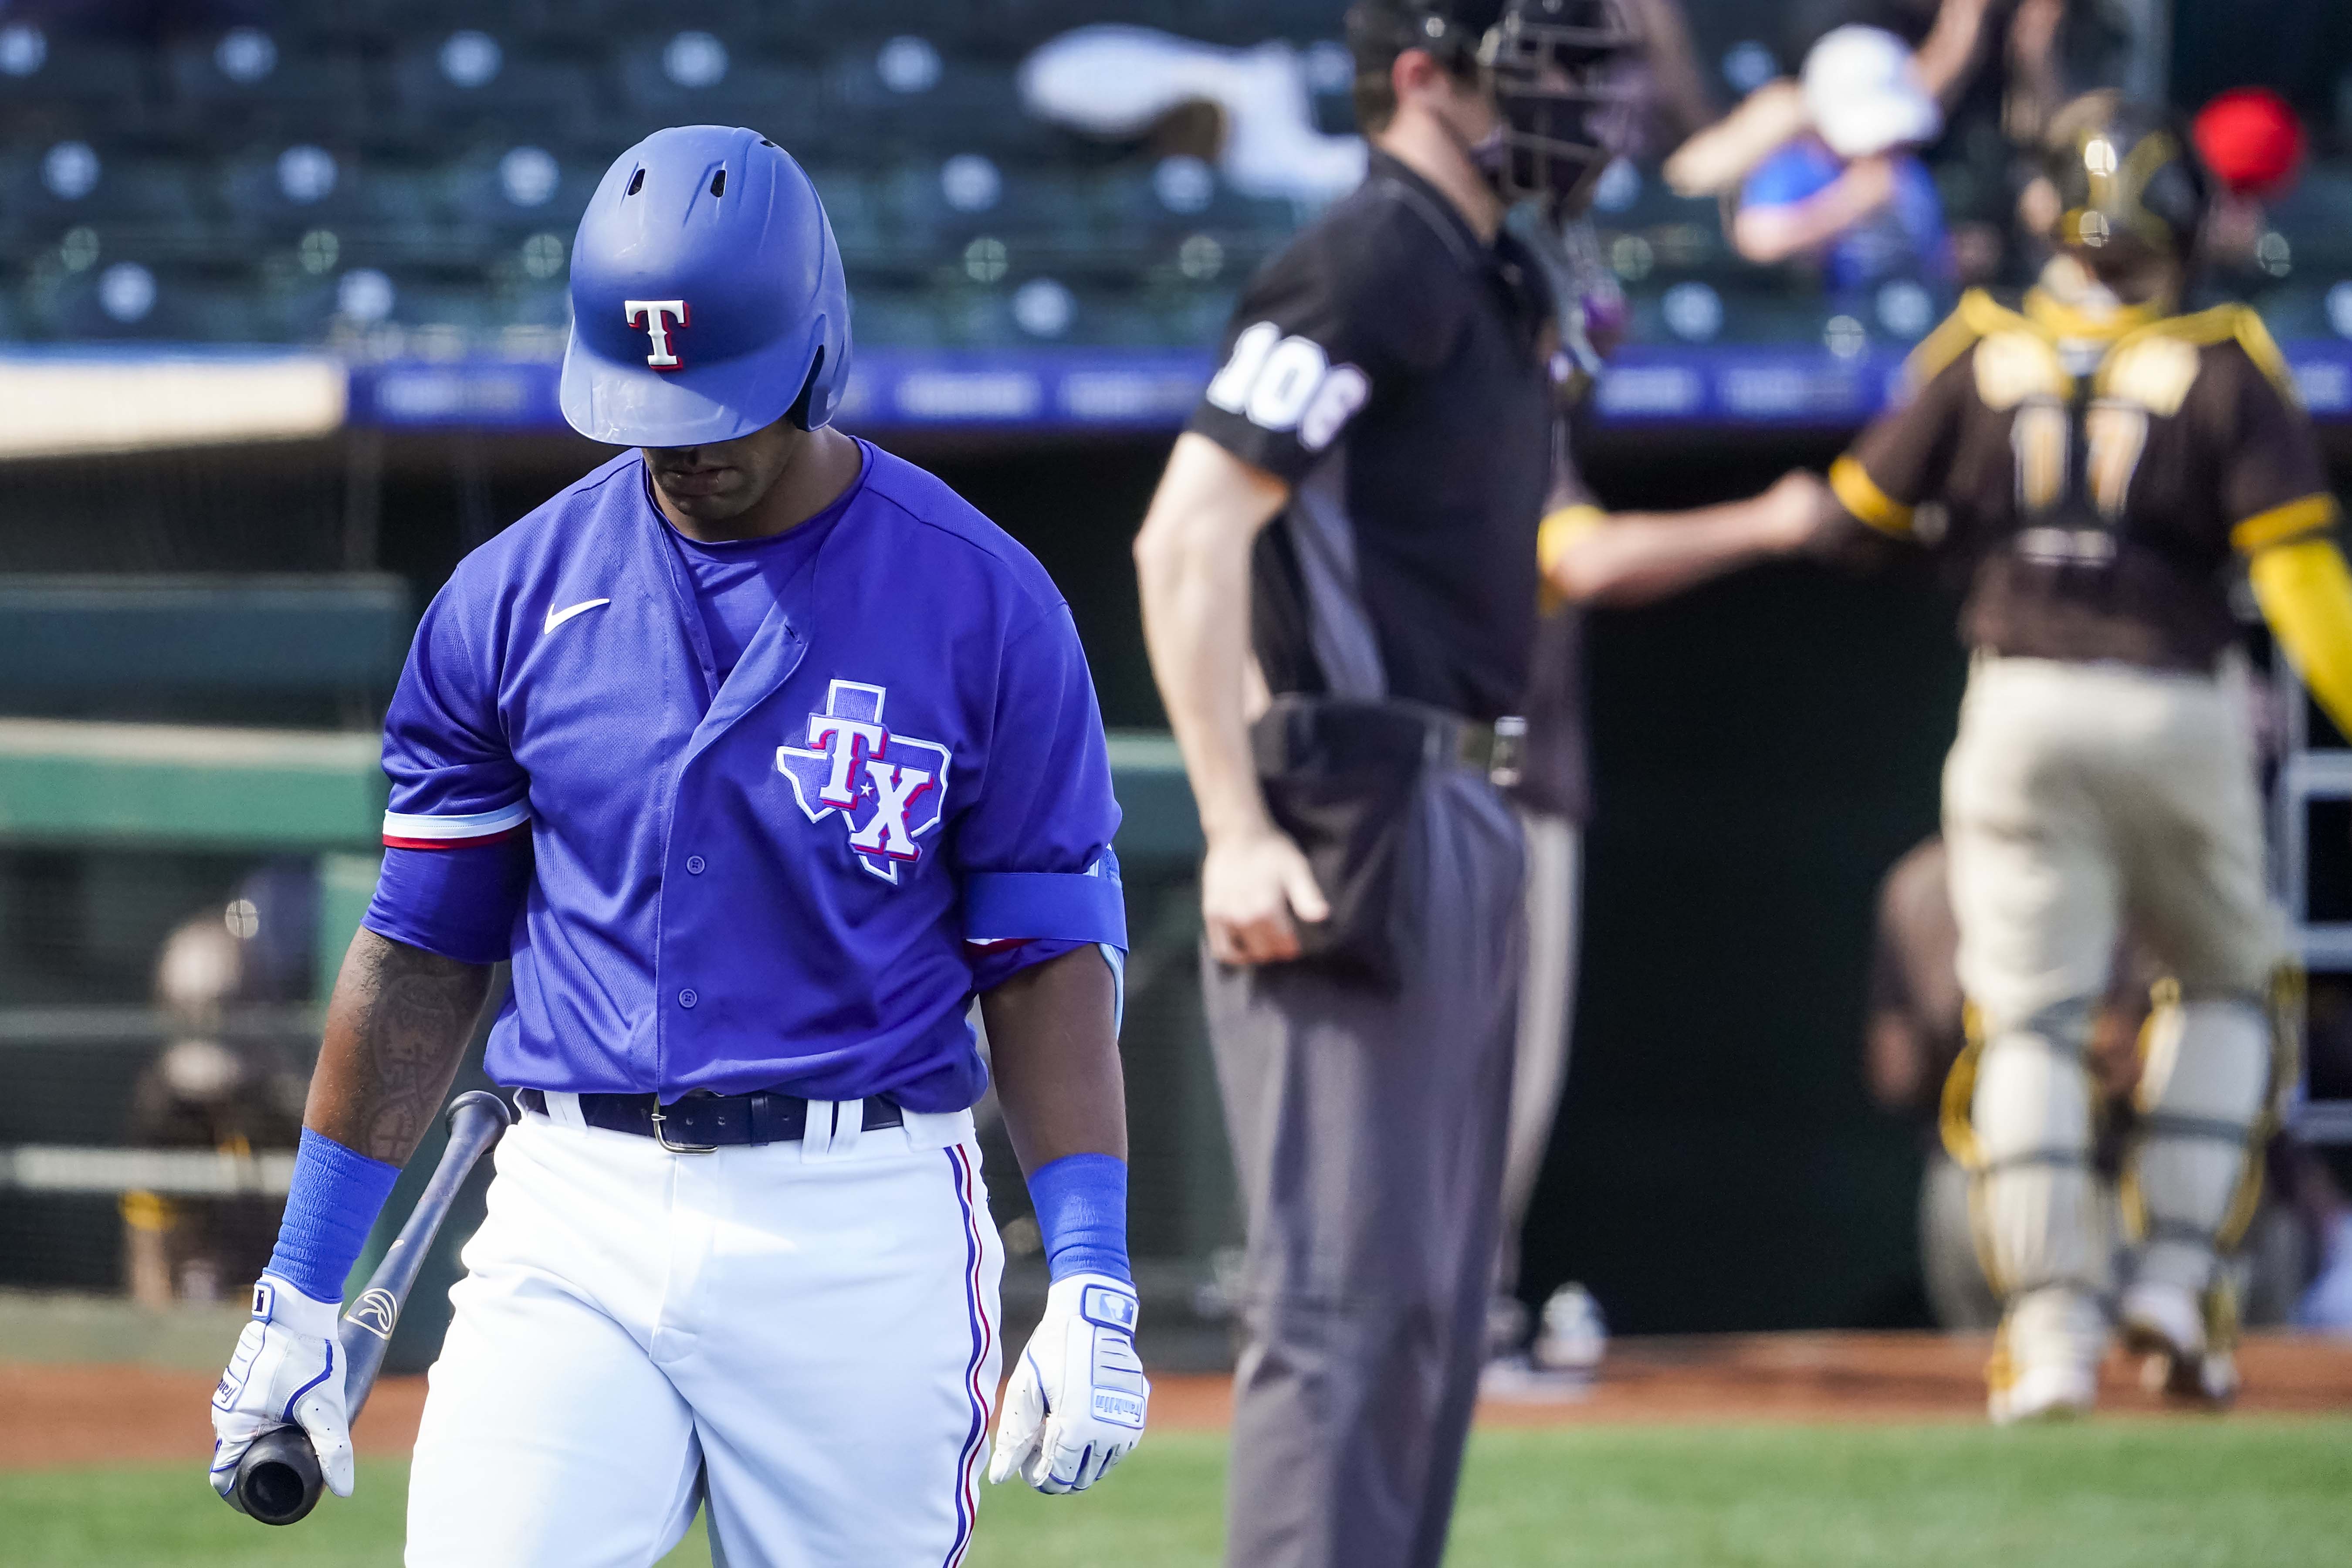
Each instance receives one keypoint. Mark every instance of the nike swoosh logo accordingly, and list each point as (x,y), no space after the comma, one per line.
(557,617)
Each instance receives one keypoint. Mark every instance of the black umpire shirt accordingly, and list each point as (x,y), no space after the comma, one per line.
(1388,367)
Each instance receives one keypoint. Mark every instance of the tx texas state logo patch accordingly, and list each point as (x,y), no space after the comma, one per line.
(889,789)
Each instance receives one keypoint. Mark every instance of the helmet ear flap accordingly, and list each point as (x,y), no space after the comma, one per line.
(799,413)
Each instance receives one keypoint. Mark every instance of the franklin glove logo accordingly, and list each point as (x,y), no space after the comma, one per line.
(889,789)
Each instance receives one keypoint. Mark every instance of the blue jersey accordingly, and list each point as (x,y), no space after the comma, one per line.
(787,878)
(1904,238)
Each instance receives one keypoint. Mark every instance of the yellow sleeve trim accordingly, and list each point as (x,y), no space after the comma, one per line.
(2306,595)
(2224,323)
(1986,315)
(1956,335)
(1860,494)
(2283,524)
(1562,529)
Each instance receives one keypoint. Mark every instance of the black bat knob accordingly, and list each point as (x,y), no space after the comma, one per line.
(279,1480)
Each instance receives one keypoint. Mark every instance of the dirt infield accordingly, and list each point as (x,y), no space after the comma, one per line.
(53,1416)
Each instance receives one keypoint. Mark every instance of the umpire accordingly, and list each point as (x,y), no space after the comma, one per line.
(1342,684)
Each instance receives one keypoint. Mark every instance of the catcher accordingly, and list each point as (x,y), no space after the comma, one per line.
(2097,460)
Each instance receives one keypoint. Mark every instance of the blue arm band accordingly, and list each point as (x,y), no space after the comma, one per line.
(336,1196)
(460,903)
(1067,906)
(1081,1203)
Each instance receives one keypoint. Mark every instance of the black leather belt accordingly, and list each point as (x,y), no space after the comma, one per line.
(1344,733)
(1497,750)
(698,1124)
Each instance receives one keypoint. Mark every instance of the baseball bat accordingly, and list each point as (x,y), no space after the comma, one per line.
(279,1480)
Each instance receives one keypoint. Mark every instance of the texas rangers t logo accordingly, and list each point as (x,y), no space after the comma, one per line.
(889,789)
(656,315)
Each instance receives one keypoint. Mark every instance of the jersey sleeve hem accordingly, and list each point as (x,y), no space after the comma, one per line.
(393,925)
(1860,494)
(1029,906)
(404,830)
(2297,520)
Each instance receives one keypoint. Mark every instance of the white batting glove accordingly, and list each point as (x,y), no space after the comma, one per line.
(1076,1401)
(288,1368)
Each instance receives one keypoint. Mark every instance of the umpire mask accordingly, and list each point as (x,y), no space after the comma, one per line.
(1566,100)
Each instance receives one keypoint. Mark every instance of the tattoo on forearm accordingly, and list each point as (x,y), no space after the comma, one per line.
(400,1019)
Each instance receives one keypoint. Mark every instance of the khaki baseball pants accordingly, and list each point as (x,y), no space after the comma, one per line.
(2076,798)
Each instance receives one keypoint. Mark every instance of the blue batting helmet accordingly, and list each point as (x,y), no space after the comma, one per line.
(706,295)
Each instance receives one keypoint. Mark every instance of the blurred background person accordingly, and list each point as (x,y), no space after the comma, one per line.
(224,1082)
(1849,194)
(1916,1033)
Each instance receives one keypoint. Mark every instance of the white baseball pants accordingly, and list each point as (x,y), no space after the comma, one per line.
(802,1337)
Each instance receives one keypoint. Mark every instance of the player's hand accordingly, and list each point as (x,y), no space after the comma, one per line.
(1075,1405)
(1250,889)
(1794,510)
(288,1368)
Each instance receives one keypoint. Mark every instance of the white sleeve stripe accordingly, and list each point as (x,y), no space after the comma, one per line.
(399,825)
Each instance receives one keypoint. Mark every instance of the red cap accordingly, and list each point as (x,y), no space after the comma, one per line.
(2251,140)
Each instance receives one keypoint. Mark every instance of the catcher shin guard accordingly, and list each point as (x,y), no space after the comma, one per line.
(2204,1087)
(2029,1149)
(2027,1141)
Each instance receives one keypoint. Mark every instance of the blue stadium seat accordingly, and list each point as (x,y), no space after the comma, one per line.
(1181,196)
(468,83)
(59,84)
(693,77)
(854,205)
(288,190)
(960,25)
(1245,22)
(905,93)
(129,299)
(972,316)
(246,82)
(889,318)
(71,182)
(1032,22)
(939,206)
(520,190)
(1194,316)
(744,23)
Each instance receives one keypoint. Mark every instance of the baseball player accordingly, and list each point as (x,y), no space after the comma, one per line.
(2098,460)
(1591,559)
(760,753)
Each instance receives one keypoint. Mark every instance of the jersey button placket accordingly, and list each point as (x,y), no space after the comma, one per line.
(696,865)
(688,998)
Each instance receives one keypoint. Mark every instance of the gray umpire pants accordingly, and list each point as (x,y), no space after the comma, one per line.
(1368,1131)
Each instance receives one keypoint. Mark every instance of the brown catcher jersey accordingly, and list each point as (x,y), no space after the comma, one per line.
(2096,485)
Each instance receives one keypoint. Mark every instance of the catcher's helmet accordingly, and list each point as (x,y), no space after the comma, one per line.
(2127,177)
(706,295)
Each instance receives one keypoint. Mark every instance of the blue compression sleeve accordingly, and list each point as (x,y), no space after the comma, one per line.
(336,1196)
(1081,1201)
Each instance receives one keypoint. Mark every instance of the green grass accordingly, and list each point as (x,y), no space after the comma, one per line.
(2117,1494)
